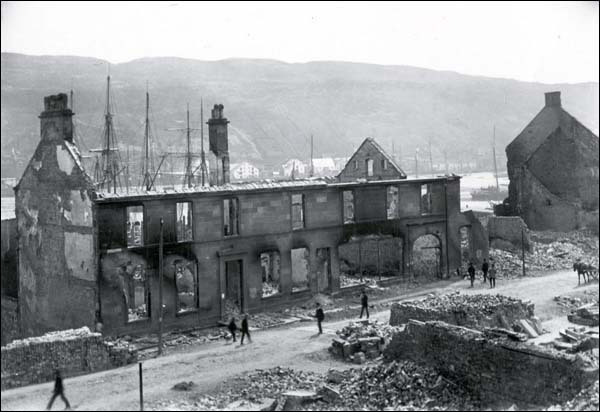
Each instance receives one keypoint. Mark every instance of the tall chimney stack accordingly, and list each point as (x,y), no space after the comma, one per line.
(553,99)
(218,142)
(56,120)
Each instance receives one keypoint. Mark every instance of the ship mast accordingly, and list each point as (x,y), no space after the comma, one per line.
(188,153)
(147,178)
(109,169)
(202,154)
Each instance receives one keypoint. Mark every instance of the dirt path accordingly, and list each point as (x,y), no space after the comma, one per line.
(208,365)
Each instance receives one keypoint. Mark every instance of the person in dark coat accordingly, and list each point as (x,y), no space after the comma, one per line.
(493,276)
(245,329)
(232,328)
(320,317)
(471,271)
(484,268)
(59,390)
(364,303)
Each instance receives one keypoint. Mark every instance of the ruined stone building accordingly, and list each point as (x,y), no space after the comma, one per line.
(86,254)
(553,170)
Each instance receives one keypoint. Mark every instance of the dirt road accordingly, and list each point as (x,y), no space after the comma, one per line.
(295,346)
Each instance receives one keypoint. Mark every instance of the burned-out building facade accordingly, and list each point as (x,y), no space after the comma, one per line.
(89,255)
(553,170)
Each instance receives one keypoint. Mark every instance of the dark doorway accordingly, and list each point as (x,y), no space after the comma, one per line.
(233,283)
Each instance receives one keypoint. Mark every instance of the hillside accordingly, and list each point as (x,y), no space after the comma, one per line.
(274,106)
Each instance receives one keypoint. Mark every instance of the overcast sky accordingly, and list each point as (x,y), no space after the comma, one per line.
(540,41)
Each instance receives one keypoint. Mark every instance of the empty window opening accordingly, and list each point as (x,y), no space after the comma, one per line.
(384,164)
(186,282)
(184,221)
(135,226)
(323,269)
(426,205)
(356,165)
(297,211)
(369,167)
(234,297)
(348,206)
(230,217)
(426,257)
(270,263)
(392,202)
(366,259)
(300,268)
(137,292)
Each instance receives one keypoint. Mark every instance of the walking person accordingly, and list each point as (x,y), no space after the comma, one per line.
(493,276)
(484,268)
(232,328)
(364,303)
(471,271)
(320,317)
(59,390)
(245,329)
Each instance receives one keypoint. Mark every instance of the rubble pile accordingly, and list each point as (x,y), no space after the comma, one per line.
(550,251)
(585,315)
(349,280)
(586,400)
(478,311)
(360,340)
(61,335)
(270,289)
(576,339)
(397,385)
(570,303)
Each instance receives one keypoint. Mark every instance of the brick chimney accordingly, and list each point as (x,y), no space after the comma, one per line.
(56,121)
(219,146)
(553,99)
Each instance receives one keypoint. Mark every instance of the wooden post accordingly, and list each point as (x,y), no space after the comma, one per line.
(141,388)
(160,289)
(378,260)
(523,248)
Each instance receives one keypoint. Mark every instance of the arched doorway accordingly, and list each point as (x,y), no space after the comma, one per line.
(426,259)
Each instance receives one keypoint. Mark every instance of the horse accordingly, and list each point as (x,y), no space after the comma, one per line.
(581,269)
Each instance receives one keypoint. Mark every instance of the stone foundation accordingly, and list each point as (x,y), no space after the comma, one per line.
(493,369)
(74,352)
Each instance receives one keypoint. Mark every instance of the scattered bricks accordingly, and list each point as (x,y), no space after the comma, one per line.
(294,400)
(348,350)
(243,405)
(329,394)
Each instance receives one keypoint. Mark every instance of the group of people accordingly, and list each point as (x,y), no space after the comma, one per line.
(244,329)
(489,273)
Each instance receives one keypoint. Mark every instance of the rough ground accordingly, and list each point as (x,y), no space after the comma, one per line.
(294,346)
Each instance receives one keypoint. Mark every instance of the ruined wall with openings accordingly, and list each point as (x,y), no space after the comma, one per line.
(57,269)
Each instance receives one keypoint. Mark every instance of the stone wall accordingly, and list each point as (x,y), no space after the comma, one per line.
(476,311)
(10,320)
(493,369)
(508,233)
(74,352)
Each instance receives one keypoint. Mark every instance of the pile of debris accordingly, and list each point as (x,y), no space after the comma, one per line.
(576,339)
(586,400)
(550,251)
(395,385)
(475,311)
(585,315)
(361,340)
(349,280)
(573,302)
(61,335)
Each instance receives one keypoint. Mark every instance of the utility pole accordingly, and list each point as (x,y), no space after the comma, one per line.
(160,289)
(430,160)
(417,163)
(127,172)
(188,157)
(203,157)
(141,387)
(146,175)
(494,154)
(312,168)
(446,160)
(523,248)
